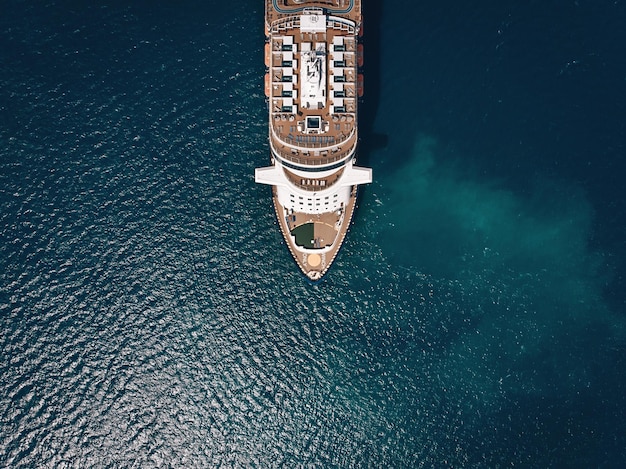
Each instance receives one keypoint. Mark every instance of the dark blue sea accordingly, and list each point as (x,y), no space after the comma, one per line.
(151,314)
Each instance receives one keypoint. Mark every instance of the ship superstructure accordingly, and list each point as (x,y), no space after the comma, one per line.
(313,57)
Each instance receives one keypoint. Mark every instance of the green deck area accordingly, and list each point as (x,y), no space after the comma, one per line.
(304,234)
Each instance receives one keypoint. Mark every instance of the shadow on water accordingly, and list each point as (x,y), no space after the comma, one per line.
(370,140)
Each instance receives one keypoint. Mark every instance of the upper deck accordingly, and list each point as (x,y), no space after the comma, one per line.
(313,79)
(276,9)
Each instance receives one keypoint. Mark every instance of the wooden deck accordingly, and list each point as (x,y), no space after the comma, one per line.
(329,234)
(291,138)
(312,184)
(287,7)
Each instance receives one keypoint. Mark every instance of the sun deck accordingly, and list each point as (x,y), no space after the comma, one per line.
(312,81)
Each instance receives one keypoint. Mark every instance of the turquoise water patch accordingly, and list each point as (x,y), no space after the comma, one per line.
(445,220)
(533,286)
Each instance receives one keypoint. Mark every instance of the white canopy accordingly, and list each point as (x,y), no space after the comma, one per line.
(312,23)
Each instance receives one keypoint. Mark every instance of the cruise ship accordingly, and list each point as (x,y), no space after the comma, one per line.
(313,84)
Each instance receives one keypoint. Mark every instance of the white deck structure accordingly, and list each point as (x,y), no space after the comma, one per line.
(313,76)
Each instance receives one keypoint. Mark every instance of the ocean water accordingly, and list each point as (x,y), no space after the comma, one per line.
(151,315)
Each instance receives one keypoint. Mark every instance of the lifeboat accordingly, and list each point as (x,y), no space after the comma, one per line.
(359,85)
(267,54)
(359,55)
(267,85)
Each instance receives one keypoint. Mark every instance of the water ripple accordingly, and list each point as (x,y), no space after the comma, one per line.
(150,315)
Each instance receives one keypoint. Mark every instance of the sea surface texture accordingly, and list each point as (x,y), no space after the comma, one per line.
(151,314)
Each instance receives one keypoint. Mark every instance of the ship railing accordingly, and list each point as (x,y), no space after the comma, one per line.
(313,161)
(300,158)
(299,142)
(315,142)
(339,24)
(285,24)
